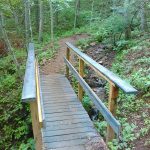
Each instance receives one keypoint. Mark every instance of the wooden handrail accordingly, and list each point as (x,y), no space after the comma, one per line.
(115,83)
(32,94)
(39,97)
(103,72)
(98,103)
(29,86)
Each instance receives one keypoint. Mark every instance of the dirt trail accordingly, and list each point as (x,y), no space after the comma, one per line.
(56,64)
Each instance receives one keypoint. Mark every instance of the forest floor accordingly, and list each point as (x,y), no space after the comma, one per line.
(56,64)
(100,53)
(104,55)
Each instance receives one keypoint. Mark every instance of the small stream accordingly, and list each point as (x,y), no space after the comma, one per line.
(104,55)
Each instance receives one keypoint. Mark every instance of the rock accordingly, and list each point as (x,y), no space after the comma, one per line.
(93,44)
(94,113)
(95,83)
(96,143)
(44,61)
(94,90)
(101,93)
(100,62)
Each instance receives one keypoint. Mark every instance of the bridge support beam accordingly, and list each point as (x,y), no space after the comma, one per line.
(35,125)
(112,106)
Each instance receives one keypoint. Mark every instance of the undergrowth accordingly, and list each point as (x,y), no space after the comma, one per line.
(15,119)
(131,64)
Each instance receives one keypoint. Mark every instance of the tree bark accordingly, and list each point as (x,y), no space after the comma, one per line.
(10,49)
(52,22)
(30,23)
(37,13)
(92,8)
(56,18)
(15,15)
(26,22)
(28,26)
(144,26)
(77,10)
(40,20)
(127,18)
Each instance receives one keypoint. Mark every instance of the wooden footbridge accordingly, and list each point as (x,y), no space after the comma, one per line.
(58,118)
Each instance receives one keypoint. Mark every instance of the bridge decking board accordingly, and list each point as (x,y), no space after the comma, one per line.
(69,137)
(65,114)
(68,126)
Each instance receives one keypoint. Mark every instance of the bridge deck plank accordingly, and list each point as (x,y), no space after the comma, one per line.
(68,125)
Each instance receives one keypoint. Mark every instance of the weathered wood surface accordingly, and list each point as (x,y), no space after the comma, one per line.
(68,126)
(112,106)
(68,58)
(104,72)
(39,101)
(36,125)
(81,72)
(29,86)
(98,103)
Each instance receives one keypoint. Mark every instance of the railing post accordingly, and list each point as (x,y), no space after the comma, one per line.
(68,58)
(81,72)
(112,106)
(35,125)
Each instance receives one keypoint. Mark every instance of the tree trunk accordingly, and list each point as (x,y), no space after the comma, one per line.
(26,22)
(37,13)
(40,20)
(128,32)
(77,10)
(30,23)
(52,22)
(10,49)
(15,15)
(56,18)
(16,20)
(28,27)
(92,8)
(127,18)
(144,26)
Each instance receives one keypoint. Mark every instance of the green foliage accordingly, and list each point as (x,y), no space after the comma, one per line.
(109,28)
(74,83)
(30,145)
(87,103)
(120,45)
(107,23)
(45,50)
(15,121)
(127,136)
(101,127)
(140,80)
(130,106)
(84,43)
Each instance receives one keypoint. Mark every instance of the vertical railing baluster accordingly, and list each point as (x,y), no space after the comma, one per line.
(112,106)
(68,58)
(35,125)
(81,72)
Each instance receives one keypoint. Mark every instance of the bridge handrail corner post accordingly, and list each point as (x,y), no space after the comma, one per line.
(68,58)
(112,106)
(81,73)
(36,125)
